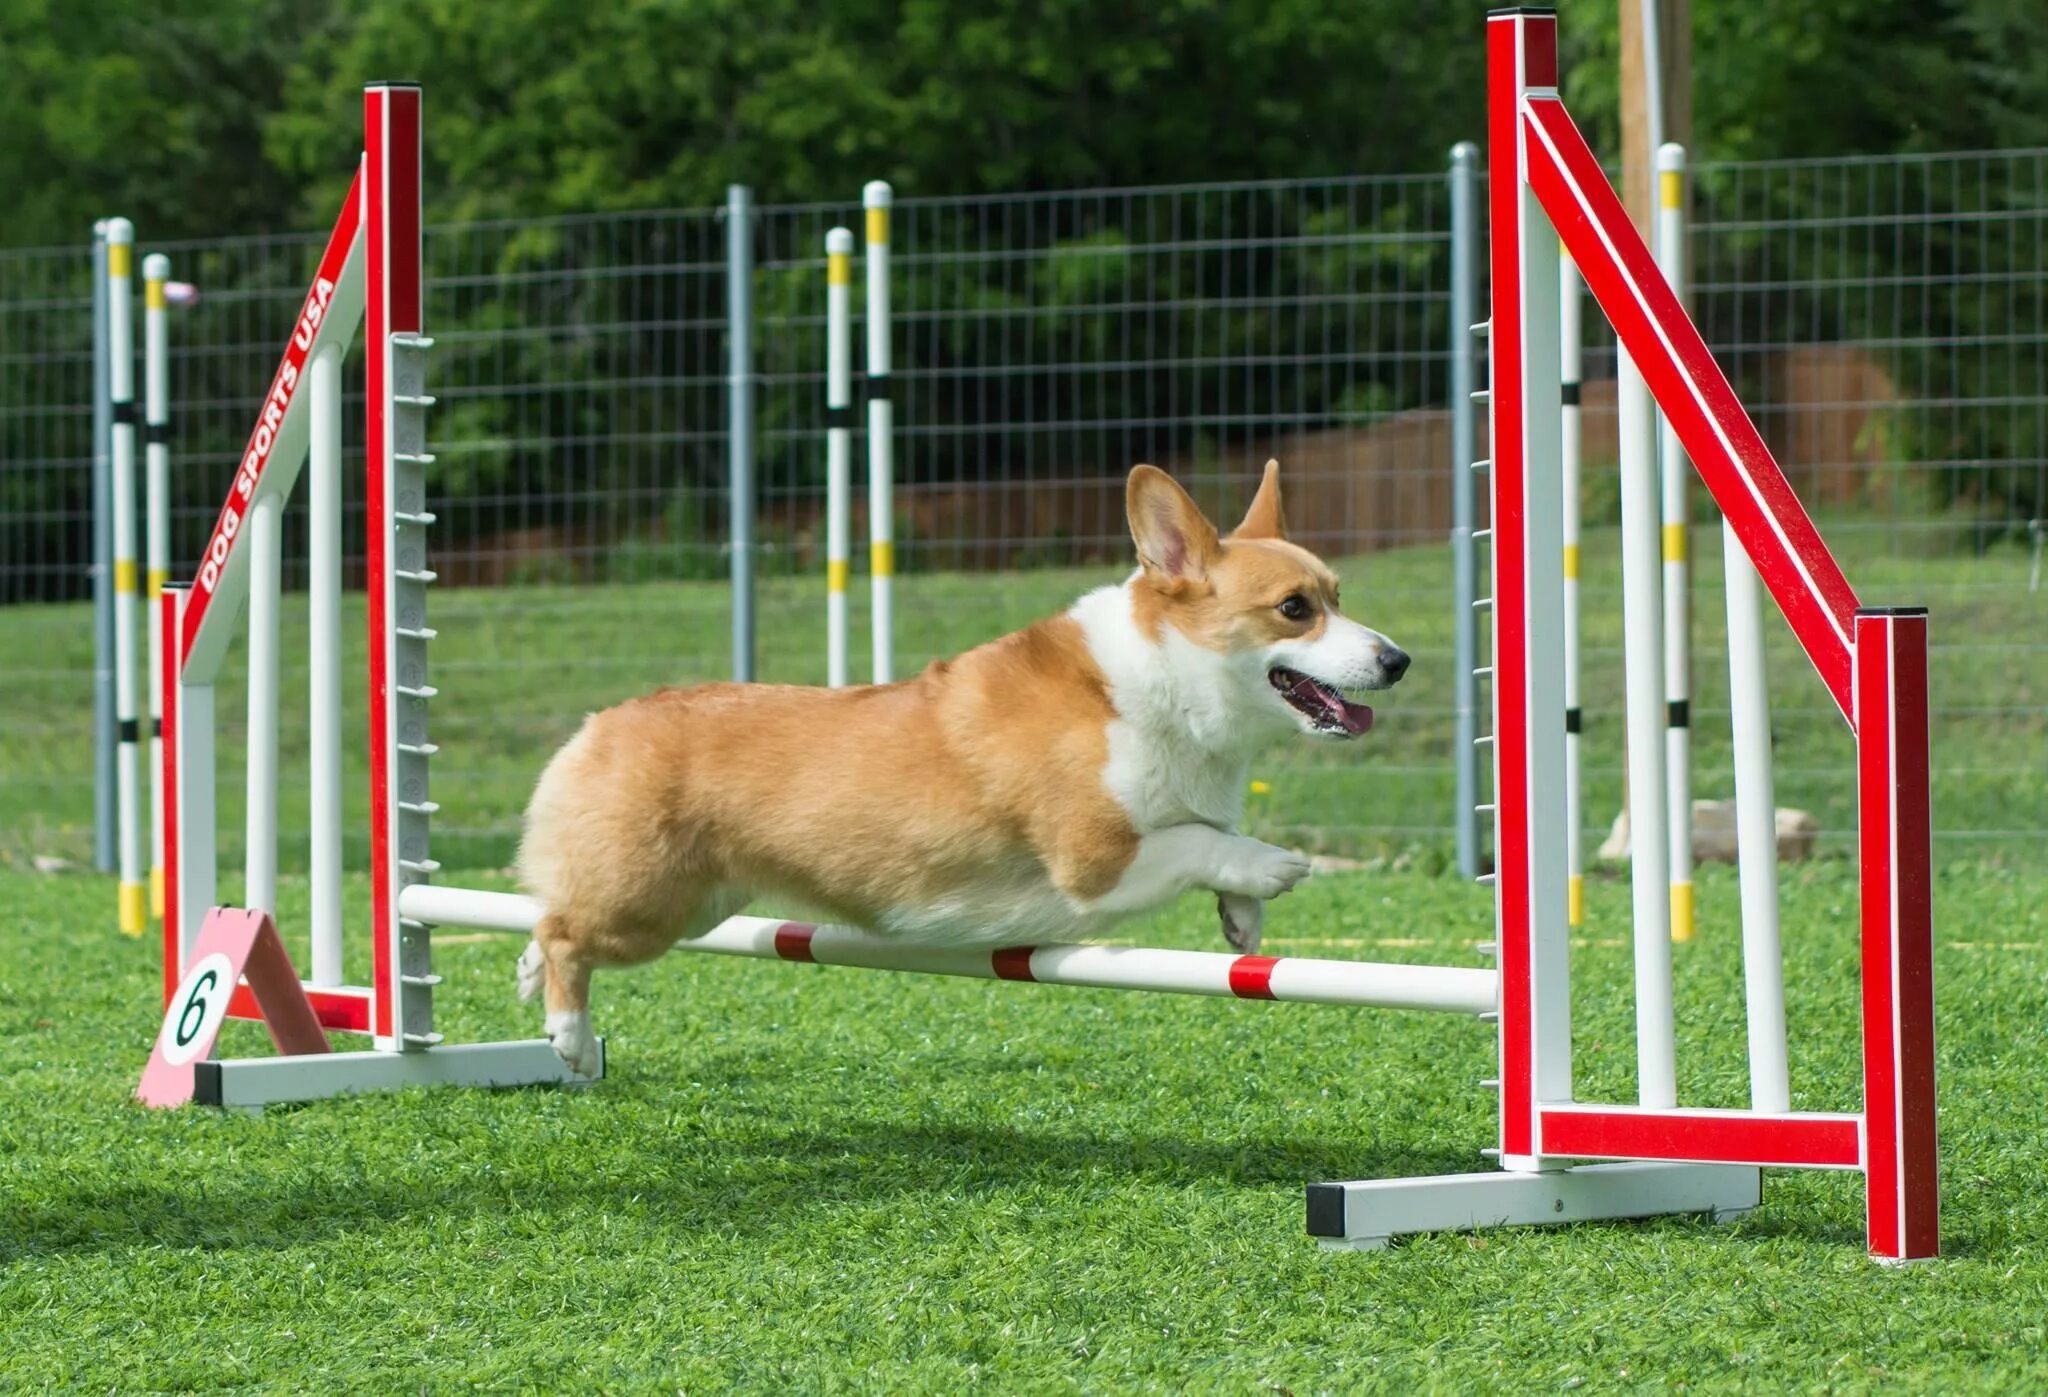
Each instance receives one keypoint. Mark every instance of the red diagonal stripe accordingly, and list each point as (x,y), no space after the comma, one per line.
(793,941)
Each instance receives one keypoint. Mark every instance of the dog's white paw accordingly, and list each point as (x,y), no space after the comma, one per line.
(1244,921)
(533,970)
(1262,871)
(570,1035)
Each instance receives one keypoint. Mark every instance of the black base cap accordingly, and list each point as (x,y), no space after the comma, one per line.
(1326,1210)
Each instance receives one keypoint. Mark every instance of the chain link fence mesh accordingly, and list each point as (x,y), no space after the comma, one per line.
(1884,319)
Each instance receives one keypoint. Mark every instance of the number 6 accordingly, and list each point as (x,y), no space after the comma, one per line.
(196,1000)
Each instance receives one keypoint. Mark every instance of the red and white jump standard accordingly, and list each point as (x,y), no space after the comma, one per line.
(372,264)
(1546,184)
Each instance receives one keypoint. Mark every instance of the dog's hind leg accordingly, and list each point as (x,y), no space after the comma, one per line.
(563,968)
(533,971)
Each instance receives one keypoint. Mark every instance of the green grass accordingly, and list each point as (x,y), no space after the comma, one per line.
(810,1179)
(518,667)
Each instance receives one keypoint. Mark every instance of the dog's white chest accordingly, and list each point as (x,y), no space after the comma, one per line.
(1162,783)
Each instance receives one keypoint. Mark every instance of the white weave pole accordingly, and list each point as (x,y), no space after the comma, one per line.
(1570,357)
(156,528)
(838,447)
(266,577)
(1756,831)
(323,660)
(877,198)
(1643,677)
(133,896)
(1677,489)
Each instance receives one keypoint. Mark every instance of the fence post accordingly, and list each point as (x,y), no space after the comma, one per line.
(1465,624)
(739,379)
(104,810)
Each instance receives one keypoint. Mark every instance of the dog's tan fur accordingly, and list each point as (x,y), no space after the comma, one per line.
(667,813)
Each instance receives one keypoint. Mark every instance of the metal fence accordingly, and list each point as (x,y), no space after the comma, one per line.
(1883,317)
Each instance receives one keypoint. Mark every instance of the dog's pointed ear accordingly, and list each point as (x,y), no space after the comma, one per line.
(1174,541)
(1265,518)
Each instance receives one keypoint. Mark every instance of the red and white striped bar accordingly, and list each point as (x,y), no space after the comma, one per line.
(1288,979)
(1895,847)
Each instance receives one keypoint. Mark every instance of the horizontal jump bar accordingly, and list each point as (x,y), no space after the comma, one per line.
(343,1008)
(1448,989)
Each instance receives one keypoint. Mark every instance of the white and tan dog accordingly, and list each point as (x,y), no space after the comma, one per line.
(1040,787)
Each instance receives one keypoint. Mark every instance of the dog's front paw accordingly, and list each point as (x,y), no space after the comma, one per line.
(1263,872)
(570,1035)
(1244,921)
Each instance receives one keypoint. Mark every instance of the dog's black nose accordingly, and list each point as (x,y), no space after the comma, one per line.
(1393,663)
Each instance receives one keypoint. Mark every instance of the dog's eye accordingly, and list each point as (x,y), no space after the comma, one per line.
(1295,608)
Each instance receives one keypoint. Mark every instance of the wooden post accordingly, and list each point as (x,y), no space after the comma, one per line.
(1674,68)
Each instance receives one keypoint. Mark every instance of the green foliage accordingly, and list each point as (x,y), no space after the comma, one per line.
(240,117)
(199,118)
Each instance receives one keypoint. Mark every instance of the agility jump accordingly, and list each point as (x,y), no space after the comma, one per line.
(1656,1156)
(370,273)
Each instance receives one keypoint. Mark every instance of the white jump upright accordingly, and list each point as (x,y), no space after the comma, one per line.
(1545,182)
(877,198)
(323,608)
(838,447)
(1643,697)
(370,269)
(1675,493)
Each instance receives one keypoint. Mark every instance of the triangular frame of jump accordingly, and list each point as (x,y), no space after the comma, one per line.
(371,272)
(1544,185)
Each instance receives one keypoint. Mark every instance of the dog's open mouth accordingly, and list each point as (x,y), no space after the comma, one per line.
(1329,710)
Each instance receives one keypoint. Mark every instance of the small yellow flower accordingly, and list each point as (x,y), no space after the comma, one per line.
(1262,788)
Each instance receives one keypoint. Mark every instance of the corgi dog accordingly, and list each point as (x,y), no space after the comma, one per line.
(1044,786)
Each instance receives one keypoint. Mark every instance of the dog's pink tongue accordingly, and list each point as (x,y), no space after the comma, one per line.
(1357,717)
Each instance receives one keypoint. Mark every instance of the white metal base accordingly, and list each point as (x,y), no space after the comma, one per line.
(1364,1214)
(259,1081)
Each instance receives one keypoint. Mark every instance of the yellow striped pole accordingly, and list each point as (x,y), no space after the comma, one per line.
(838,446)
(877,198)
(1676,481)
(132,906)
(1571,293)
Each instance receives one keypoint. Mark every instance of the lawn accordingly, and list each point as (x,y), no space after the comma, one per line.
(813,1179)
